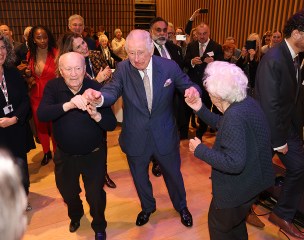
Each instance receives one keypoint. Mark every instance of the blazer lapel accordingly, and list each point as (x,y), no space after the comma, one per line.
(139,88)
(157,83)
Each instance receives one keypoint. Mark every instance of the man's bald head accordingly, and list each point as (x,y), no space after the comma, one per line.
(72,68)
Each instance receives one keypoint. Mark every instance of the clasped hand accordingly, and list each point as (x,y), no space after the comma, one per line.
(80,102)
(193,143)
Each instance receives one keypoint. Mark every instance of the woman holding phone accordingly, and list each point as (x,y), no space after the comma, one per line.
(250,58)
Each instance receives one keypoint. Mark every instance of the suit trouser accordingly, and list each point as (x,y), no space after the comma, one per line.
(292,189)
(182,114)
(68,169)
(228,223)
(44,129)
(170,166)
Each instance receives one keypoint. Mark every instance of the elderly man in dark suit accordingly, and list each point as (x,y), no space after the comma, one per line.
(147,84)
(279,90)
(199,54)
(167,49)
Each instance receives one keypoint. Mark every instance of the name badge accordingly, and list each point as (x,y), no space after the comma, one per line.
(8,109)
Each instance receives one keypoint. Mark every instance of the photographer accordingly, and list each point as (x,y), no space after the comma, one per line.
(249,60)
(199,54)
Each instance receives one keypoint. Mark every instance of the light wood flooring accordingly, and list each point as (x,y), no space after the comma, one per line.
(48,219)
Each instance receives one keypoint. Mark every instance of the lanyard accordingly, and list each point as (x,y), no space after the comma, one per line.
(4,89)
(93,76)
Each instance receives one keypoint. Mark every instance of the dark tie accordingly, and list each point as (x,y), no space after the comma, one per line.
(163,51)
(296,65)
(147,89)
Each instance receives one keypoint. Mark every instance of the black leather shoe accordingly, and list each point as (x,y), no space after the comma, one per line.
(100,236)
(186,217)
(74,226)
(46,158)
(156,169)
(143,218)
(109,182)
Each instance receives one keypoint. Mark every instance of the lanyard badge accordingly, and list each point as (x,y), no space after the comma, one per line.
(9,107)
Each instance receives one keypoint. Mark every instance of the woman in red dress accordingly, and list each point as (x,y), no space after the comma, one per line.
(41,57)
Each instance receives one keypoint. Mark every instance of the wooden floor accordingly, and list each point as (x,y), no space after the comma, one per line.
(49,220)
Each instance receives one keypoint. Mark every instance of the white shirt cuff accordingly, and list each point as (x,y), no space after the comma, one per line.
(278,148)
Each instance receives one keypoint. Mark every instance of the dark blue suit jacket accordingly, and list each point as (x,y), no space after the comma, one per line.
(138,122)
(280,94)
(241,154)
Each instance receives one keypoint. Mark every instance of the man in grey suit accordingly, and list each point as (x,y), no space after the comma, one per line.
(279,90)
(149,127)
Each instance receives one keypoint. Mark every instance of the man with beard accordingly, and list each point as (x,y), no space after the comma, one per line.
(167,49)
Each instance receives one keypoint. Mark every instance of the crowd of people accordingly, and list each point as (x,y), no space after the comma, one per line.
(61,92)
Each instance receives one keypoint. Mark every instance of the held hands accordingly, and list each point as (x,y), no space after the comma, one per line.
(7,121)
(79,102)
(193,99)
(92,110)
(92,96)
(193,143)
(208,59)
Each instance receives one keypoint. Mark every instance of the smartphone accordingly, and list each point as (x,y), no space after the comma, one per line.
(250,44)
(180,37)
(203,10)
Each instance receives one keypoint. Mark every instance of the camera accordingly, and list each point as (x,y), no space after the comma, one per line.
(180,37)
(250,44)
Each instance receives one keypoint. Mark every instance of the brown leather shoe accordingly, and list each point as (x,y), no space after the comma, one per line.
(287,227)
(253,220)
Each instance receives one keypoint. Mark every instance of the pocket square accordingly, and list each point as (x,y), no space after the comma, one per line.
(168,82)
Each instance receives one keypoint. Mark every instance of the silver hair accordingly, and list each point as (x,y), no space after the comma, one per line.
(12,199)
(226,81)
(139,34)
(75,16)
(116,30)
(10,54)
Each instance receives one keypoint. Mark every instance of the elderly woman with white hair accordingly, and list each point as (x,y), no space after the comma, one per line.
(107,53)
(118,44)
(241,155)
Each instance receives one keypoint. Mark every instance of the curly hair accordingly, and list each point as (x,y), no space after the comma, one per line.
(33,46)
(10,54)
(296,22)
(225,80)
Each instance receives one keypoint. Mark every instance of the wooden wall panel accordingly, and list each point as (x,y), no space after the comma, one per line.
(55,13)
(236,18)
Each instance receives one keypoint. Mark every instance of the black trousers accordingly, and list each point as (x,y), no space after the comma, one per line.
(170,166)
(68,169)
(292,190)
(228,223)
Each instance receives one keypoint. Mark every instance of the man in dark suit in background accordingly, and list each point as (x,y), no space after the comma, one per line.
(199,54)
(167,49)
(147,85)
(279,90)
(76,25)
